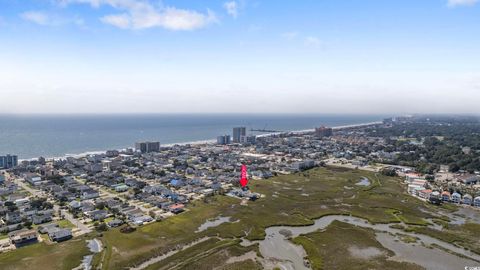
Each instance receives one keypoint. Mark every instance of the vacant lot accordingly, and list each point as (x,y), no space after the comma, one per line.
(66,255)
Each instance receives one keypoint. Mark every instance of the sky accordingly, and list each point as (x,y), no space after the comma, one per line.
(240,56)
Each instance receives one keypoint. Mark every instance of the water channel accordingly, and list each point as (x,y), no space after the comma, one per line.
(280,252)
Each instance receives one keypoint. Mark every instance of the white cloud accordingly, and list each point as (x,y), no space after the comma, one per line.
(179,19)
(120,21)
(51,19)
(289,35)
(142,14)
(93,3)
(311,41)
(455,3)
(37,17)
(232,8)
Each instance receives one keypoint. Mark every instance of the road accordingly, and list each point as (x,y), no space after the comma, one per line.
(338,163)
(107,194)
(22,184)
(68,216)
(56,207)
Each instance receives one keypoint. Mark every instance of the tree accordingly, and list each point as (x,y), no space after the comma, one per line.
(37,203)
(127,229)
(100,206)
(101,227)
(9,203)
(28,224)
(453,167)
(388,172)
(12,208)
(136,190)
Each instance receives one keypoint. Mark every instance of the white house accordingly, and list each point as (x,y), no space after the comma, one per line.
(90,194)
(456,197)
(467,199)
(476,201)
(33,178)
(22,201)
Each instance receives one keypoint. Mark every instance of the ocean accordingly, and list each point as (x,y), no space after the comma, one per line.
(32,136)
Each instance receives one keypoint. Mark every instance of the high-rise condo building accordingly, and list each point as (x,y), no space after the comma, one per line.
(8,161)
(251,139)
(223,140)
(147,147)
(323,131)
(238,132)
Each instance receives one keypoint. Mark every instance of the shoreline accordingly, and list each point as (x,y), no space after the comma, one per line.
(200,142)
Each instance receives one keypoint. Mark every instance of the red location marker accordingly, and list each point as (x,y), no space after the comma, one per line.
(243,176)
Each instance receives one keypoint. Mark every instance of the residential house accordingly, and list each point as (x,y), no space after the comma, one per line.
(41,218)
(59,235)
(21,202)
(33,178)
(13,217)
(121,188)
(176,183)
(87,206)
(93,167)
(467,199)
(176,208)
(134,213)
(456,197)
(141,219)
(446,196)
(22,237)
(435,194)
(89,194)
(48,227)
(74,205)
(114,223)
(410,177)
(468,179)
(304,165)
(97,214)
(476,201)
(414,189)
(425,194)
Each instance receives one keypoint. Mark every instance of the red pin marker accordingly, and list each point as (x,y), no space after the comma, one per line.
(243,176)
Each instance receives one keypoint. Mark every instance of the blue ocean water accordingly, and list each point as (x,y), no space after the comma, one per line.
(31,136)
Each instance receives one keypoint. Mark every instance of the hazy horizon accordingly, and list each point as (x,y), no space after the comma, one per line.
(240,56)
(277,114)
(30,136)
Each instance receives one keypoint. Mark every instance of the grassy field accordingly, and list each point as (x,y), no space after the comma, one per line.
(330,191)
(64,223)
(294,200)
(66,255)
(465,235)
(204,256)
(344,246)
